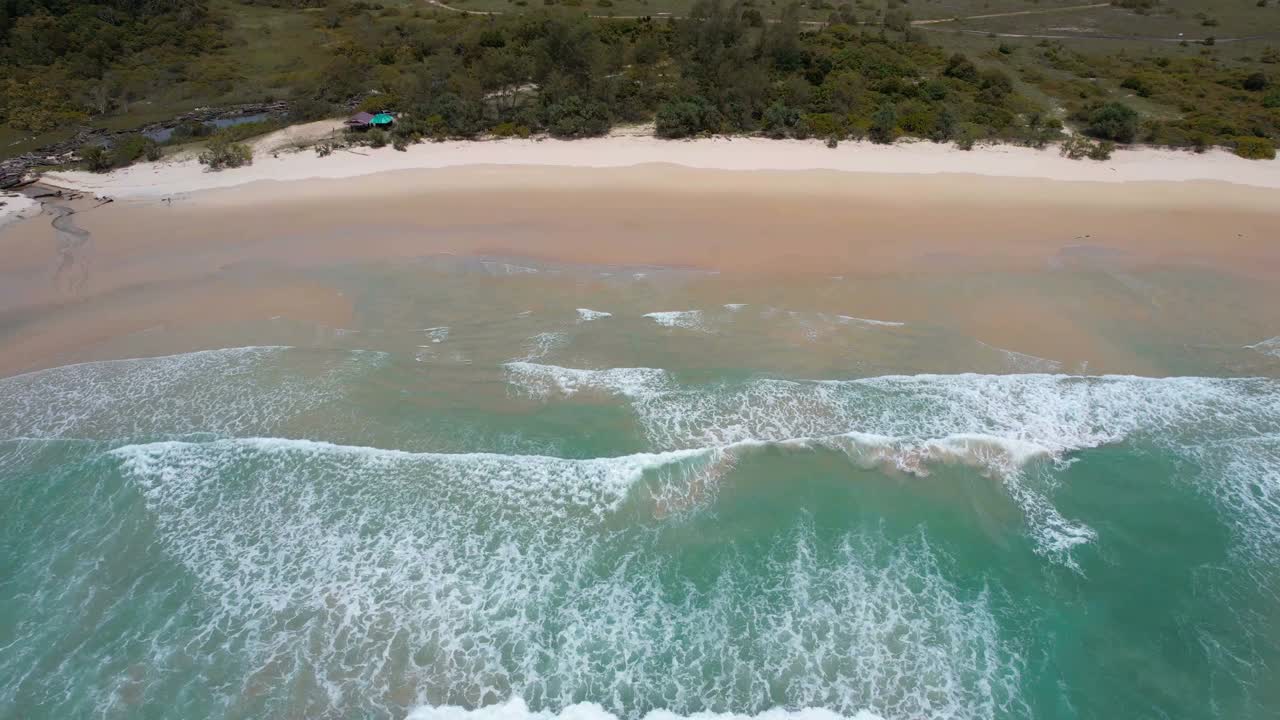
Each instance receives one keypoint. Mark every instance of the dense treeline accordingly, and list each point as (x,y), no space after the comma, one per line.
(718,71)
(65,61)
(723,69)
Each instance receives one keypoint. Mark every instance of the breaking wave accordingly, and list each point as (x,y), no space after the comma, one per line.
(466,580)
(517,709)
(998,424)
(242,390)
(686,319)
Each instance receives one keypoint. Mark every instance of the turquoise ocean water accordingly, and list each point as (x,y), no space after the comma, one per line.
(510,492)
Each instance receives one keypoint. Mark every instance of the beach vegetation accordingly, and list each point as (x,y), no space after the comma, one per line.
(884,124)
(1114,121)
(96,158)
(689,117)
(223,153)
(1255,82)
(124,151)
(511,129)
(779,69)
(1077,147)
(1255,148)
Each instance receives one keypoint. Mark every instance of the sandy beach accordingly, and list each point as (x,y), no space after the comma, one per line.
(275,159)
(183,247)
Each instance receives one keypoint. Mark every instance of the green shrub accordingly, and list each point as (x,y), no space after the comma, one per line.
(510,129)
(382,102)
(779,120)
(687,118)
(1114,121)
(222,153)
(1138,85)
(126,150)
(1272,100)
(575,117)
(884,125)
(826,125)
(95,158)
(1255,148)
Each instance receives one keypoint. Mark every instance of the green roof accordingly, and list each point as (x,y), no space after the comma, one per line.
(381,119)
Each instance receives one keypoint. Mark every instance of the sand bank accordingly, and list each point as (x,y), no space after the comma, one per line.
(275,160)
(15,207)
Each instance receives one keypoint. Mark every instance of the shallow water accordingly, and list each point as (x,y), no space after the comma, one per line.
(520,490)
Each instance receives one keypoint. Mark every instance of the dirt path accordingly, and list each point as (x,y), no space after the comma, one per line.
(1043,11)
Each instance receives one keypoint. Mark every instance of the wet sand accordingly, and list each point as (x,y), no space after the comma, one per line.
(915,248)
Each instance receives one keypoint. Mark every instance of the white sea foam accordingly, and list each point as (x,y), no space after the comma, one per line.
(517,709)
(501,268)
(867,321)
(467,579)
(734,307)
(1022,362)
(997,423)
(544,381)
(1270,347)
(438,334)
(1059,413)
(686,319)
(543,344)
(231,390)
(587,314)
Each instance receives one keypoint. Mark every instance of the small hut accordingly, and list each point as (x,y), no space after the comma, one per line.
(360,121)
(365,121)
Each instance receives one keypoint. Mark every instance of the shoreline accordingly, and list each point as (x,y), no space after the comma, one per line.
(1024,263)
(275,161)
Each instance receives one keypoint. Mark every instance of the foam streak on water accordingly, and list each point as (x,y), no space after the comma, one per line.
(233,390)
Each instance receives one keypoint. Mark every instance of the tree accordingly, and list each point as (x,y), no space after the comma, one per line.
(945,128)
(884,124)
(779,119)
(1114,121)
(1255,82)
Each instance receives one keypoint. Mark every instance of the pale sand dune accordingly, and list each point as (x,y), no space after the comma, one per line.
(181,176)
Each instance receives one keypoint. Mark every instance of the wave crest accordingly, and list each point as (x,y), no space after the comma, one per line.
(517,709)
